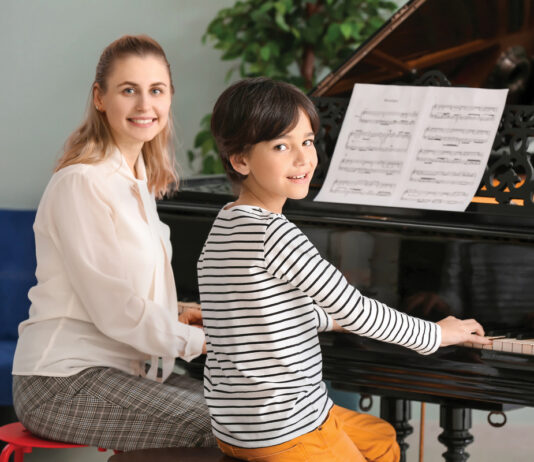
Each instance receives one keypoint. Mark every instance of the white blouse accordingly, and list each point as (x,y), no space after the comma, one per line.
(105,293)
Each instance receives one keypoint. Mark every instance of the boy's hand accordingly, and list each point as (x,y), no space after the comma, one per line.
(337,328)
(454,330)
(191,316)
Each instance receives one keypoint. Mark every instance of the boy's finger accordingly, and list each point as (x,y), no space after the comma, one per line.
(480,340)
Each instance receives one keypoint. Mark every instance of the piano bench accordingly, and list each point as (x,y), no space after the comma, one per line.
(173,455)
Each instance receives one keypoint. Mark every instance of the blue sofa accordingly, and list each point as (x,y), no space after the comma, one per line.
(17,275)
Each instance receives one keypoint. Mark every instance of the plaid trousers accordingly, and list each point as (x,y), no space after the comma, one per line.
(109,408)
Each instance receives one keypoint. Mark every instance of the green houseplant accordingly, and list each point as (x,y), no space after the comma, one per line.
(292,40)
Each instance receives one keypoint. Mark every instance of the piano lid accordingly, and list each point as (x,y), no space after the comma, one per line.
(475,43)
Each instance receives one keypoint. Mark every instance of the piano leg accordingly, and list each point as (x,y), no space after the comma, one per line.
(456,422)
(398,412)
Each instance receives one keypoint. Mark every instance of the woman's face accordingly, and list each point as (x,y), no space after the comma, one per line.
(137,100)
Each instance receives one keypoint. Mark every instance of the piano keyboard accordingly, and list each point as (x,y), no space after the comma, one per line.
(511,345)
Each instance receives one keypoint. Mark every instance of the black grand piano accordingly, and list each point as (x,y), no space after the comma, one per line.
(478,263)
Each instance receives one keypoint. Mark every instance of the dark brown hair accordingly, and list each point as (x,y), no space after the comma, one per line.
(254,110)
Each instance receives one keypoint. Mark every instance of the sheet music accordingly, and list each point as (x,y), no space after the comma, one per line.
(419,147)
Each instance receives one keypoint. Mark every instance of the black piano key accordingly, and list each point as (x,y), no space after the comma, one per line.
(525,335)
(508,333)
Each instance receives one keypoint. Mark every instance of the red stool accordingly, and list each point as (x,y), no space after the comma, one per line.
(21,441)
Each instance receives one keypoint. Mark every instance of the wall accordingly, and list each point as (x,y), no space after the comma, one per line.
(49,51)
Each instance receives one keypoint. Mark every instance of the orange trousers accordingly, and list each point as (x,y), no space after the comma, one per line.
(345,436)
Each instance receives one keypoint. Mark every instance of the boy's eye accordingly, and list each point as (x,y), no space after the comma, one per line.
(280,147)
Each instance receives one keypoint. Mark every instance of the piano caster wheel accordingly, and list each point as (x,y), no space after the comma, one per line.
(456,422)
(365,403)
(494,423)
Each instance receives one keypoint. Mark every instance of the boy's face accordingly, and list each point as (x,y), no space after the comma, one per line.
(279,169)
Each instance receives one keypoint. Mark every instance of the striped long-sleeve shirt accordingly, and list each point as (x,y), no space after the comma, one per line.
(262,287)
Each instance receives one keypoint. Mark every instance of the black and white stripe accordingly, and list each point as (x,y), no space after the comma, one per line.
(265,293)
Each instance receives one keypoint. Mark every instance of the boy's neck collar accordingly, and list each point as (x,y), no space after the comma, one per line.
(246,197)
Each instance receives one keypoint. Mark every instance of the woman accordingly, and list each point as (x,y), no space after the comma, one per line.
(105,300)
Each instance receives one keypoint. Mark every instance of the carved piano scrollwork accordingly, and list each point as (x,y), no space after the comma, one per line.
(509,173)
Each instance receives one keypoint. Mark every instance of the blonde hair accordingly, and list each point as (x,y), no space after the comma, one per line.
(92,141)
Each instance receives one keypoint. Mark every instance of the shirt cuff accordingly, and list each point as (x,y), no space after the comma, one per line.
(437,344)
(195,344)
(329,324)
(438,338)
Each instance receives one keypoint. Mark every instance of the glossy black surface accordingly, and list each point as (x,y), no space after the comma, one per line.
(473,378)
(428,264)
(470,41)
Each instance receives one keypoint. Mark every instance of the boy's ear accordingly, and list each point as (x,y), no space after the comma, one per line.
(240,163)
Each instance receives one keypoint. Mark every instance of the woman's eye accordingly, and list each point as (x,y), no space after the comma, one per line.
(128,91)
(156,91)
(280,147)
(308,143)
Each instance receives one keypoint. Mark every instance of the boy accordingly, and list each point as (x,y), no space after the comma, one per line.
(265,292)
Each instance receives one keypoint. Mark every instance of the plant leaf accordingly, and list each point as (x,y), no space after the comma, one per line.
(265,52)
(346,30)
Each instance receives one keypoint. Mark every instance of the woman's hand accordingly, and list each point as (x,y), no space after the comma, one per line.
(191,316)
(454,330)
(182,306)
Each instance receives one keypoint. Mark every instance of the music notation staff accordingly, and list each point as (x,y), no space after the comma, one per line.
(464,113)
(370,167)
(442,177)
(368,140)
(431,156)
(368,187)
(456,136)
(433,197)
(388,117)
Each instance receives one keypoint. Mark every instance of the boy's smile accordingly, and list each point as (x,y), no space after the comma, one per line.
(278,169)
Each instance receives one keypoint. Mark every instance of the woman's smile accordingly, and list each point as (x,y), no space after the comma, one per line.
(142,122)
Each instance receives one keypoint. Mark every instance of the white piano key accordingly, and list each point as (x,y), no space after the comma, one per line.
(517,346)
(480,346)
(502,344)
(526,346)
(513,345)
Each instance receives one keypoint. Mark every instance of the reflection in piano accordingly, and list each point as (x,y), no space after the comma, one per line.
(478,263)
